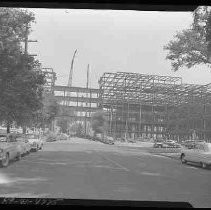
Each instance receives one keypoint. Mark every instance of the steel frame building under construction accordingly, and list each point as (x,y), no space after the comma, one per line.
(140,105)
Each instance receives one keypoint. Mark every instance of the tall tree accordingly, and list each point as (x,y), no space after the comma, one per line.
(21,86)
(190,47)
(50,109)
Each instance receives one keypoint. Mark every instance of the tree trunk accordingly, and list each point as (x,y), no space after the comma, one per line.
(8,127)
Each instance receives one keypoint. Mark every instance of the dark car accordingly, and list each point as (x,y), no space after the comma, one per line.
(160,145)
(190,144)
(172,144)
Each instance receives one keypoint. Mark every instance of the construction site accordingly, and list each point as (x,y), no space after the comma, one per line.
(141,106)
(152,106)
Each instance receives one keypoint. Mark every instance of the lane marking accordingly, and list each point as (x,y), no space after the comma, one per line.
(150,173)
(192,167)
(161,156)
(4,179)
(57,163)
(116,163)
(100,166)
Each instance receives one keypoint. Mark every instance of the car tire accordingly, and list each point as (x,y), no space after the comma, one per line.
(203,165)
(19,156)
(5,163)
(182,159)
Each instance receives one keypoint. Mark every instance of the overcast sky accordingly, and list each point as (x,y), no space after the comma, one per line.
(110,41)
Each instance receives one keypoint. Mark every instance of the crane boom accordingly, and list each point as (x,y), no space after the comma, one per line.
(71,70)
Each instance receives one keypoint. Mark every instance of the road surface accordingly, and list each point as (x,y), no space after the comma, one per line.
(98,171)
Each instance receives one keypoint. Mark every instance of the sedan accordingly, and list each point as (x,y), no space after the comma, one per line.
(201,154)
(25,145)
(35,142)
(172,144)
(160,145)
(190,144)
(9,149)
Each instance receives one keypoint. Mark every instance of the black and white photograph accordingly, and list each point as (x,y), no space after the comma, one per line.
(106,104)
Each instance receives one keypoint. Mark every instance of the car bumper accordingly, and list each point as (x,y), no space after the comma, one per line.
(33,146)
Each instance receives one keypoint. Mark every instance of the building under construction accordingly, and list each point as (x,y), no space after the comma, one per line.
(50,77)
(152,106)
(77,104)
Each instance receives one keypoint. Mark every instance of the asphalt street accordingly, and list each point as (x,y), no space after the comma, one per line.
(98,171)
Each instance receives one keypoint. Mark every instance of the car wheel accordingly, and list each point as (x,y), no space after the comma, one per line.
(19,156)
(183,159)
(203,165)
(5,162)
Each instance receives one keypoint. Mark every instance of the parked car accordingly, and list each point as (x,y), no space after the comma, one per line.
(9,149)
(190,144)
(63,136)
(172,144)
(25,145)
(109,140)
(160,145)
(201,154)
(35,141)
(131,140)
(51,137)
(88,137)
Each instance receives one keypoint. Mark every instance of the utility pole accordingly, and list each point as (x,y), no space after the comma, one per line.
(87,86)
(26,41)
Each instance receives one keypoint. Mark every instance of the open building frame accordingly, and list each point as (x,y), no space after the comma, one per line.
(153,106)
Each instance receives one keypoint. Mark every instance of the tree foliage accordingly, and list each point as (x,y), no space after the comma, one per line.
(77,128)
(98,122)
(21,86)
(63,124)
(48,112)
(190,47)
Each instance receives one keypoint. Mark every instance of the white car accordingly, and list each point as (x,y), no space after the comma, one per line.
(200,154)
(35,141)
(25,145)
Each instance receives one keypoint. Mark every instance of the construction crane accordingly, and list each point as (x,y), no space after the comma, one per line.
(70,76)
(71,71)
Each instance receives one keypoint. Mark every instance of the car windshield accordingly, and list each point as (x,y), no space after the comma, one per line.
(208,147)
(3,138)
(32,136)
(22,138)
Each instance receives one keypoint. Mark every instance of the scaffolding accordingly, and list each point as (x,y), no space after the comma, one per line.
(141,105)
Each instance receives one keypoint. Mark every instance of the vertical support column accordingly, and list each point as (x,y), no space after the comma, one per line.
(140,118)
(153,118)
(166,120)
(204,122)
(126,123)
(116,120)
(111,118)
(122,122)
